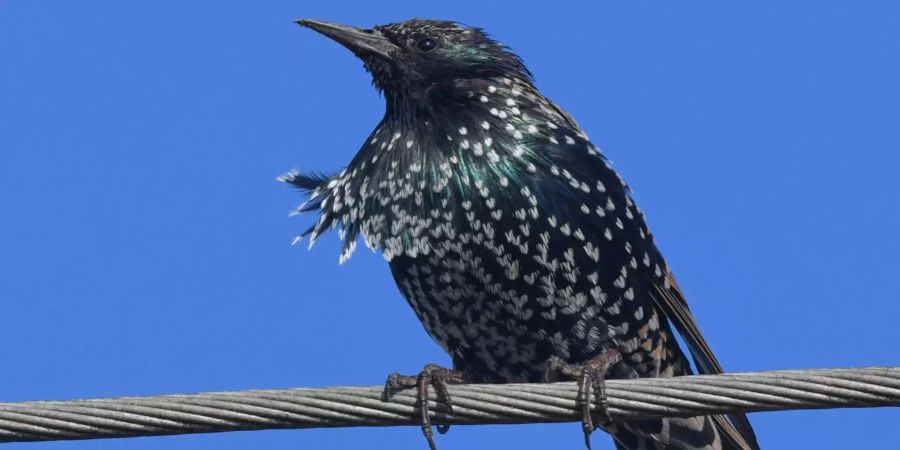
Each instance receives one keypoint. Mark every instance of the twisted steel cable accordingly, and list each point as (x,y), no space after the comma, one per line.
(473,404)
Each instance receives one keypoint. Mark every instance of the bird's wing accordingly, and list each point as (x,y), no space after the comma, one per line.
(671,301)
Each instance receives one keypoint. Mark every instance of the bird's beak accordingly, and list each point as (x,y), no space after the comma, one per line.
(361,42)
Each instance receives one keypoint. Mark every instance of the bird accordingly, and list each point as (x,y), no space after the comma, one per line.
(519,248)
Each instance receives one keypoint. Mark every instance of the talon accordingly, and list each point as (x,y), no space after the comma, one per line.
(443,395)
(584,397)
(590,378)
(396,382)
(429,436)
(602,400)
(424,380)
(431,375)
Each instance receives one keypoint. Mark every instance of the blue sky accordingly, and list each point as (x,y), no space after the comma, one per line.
(145,244)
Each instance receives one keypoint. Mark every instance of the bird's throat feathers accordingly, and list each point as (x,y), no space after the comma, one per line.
(475,148)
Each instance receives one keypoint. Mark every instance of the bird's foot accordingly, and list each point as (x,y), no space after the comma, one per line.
(432,375)
(590,378)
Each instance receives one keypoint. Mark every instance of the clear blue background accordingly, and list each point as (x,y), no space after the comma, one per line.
(145,244)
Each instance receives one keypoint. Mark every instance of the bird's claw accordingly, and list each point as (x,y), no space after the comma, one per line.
(432,375)
(590,377)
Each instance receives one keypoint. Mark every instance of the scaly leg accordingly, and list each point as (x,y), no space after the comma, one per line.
(590,377)
(431,375)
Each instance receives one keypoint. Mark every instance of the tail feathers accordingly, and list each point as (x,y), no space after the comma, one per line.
(684,433)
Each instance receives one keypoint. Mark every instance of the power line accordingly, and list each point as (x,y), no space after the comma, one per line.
(473,404)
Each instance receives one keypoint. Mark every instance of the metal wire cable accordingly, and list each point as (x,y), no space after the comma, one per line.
(473,404)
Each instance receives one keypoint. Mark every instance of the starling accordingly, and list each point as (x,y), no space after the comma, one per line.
(517,245)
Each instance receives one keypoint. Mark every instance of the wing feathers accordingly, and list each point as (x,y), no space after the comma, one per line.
(669,298)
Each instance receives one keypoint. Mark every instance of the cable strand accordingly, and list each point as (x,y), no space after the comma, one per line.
(473,404)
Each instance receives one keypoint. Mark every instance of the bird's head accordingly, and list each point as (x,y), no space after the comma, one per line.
(412,56)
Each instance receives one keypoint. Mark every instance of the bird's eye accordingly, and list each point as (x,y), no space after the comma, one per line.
(426,45)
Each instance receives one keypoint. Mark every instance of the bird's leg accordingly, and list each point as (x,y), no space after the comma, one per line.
(431,375)
(590,378)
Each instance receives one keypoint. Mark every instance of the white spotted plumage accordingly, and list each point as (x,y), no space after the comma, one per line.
(508,232)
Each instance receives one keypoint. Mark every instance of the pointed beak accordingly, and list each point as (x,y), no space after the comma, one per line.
(363,43)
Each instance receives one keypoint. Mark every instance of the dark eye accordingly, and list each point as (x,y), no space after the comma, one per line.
(426,45)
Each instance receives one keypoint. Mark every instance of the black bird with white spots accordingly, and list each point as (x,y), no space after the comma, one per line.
(517,245)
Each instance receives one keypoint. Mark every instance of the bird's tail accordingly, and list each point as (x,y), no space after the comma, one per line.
(682,433)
